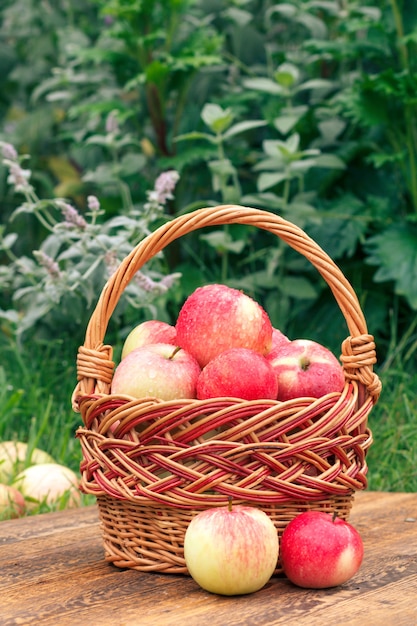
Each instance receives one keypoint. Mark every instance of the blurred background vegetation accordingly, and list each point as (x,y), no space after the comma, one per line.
(307,108)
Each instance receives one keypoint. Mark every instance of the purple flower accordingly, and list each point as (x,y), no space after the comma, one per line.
(9,151)
(163,190)
(18,177)
(93,204)
(48,263)
(165,185)
(71,216)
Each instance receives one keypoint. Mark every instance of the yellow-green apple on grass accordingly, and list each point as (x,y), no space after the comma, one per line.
(151,331)
(238,373)
(158,370)
(48,483)
(216,317)
(320,550)
(16,455)
(12,502)
(305,368)
(231,550)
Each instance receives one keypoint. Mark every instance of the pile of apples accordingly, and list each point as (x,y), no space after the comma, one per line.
(30,478)
(223,345)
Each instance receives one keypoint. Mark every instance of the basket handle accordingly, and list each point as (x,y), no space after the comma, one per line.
(94,363)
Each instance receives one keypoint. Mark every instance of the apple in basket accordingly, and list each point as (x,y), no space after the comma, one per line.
(231,550)
(278,340)
(238,373)
(151,331)
(158,370)
(305,368)
(215,318)
(320,550)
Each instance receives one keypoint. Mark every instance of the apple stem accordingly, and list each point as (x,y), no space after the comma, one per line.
(335,514)
(304,363)
(229,506)
(174,352)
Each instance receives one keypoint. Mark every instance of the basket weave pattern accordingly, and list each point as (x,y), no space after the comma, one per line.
(153,464)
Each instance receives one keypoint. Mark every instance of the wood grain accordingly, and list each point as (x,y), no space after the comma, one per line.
(52,573)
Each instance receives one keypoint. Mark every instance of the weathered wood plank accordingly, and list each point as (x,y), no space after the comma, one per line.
(52,572)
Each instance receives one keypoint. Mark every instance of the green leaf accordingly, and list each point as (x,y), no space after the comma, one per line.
(269,179)
(222,241)
(241,127)
(299,213)
(8,241)
(239,16)
(343,227)
(284,8)
(329,160)
(156,72)
(316,26)
(196,135)
(298,287)
(316,83)
(267,200)
(287,75)
(132,163)
(216,118)
(265,84)
(331,129)
(286,122)
(394,251)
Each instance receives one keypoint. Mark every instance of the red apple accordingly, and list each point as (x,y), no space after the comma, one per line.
(278,340)
(158,370)
(12,502)
(231,550)
(320,550)
(151,331)
(305,368)
(215,318)
(238,373)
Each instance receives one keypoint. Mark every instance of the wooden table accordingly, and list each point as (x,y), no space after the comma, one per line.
(52,573)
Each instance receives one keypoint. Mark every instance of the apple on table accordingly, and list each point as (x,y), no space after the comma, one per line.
(320,550)
(231,550)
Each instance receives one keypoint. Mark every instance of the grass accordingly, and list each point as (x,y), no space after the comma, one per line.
(392,458)
(35,399)
(35,407)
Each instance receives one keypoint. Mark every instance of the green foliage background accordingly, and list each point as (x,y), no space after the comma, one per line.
(305,107)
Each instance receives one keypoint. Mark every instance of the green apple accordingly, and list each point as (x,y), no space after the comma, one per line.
(151,331)
(16,455)
(158,370)
(48,483)
(231,550)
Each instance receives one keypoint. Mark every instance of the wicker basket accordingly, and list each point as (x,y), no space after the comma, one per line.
(153,464)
